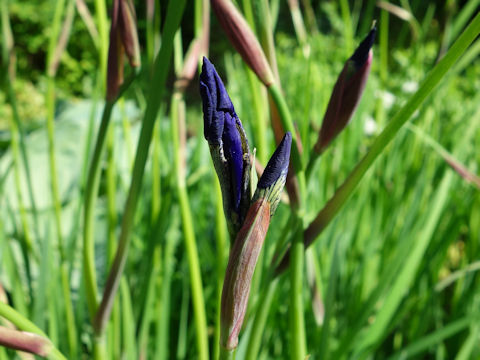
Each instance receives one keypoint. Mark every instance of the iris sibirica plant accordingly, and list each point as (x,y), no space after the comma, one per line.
(248,217)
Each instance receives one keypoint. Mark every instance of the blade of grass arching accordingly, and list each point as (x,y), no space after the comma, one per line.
(162,64)
(128,321)
(405,277)
(435,338)
(329,304)
(468,347)
(387,276)
(461,169)
(432,80)
(462,18)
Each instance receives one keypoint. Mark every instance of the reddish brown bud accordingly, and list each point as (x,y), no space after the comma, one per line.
(123,39)
(346,93)
(24,341)
(240,268)
(128,29)
(243,39)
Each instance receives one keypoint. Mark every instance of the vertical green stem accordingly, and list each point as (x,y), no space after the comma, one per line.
(102,23)
(348,27)
(297,327)
(162,64)
(50,103)
(188,228)
(221,237)
(260,320)
(91,190)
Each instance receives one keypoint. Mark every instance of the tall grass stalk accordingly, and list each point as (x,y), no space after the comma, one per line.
(53,55)
(178,135)
(161,67)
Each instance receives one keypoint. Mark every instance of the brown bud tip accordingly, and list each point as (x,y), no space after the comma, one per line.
(243,39)
(128,27)
(346,93)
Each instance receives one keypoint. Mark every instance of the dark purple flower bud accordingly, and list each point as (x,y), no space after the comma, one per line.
(228,146)
(273,179)
(248,244)
(346,93)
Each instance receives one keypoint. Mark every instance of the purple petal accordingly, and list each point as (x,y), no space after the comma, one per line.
(234,154)
(277,166)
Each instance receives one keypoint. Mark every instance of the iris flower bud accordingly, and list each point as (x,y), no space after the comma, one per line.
(346,93)
(248,244)
(243,40)
(123,40)
(273,179)
(228,146)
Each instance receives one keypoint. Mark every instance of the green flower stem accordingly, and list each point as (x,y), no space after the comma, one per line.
(297,325)
(27,245)
(50,103)
(260,319)
(178,143)
(22,323)
(296,279)
(222,239)
(91,190)
(162,64)
(287,124)
(227,354)
(431,81)
(102,24)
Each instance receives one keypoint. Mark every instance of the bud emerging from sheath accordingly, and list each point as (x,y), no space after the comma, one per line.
(346,93)
(123,40)
(228,147)
(273,179)
(243,39)
(128,30)
(248,244)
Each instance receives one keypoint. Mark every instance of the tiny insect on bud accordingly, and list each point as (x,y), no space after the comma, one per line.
(346,93)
